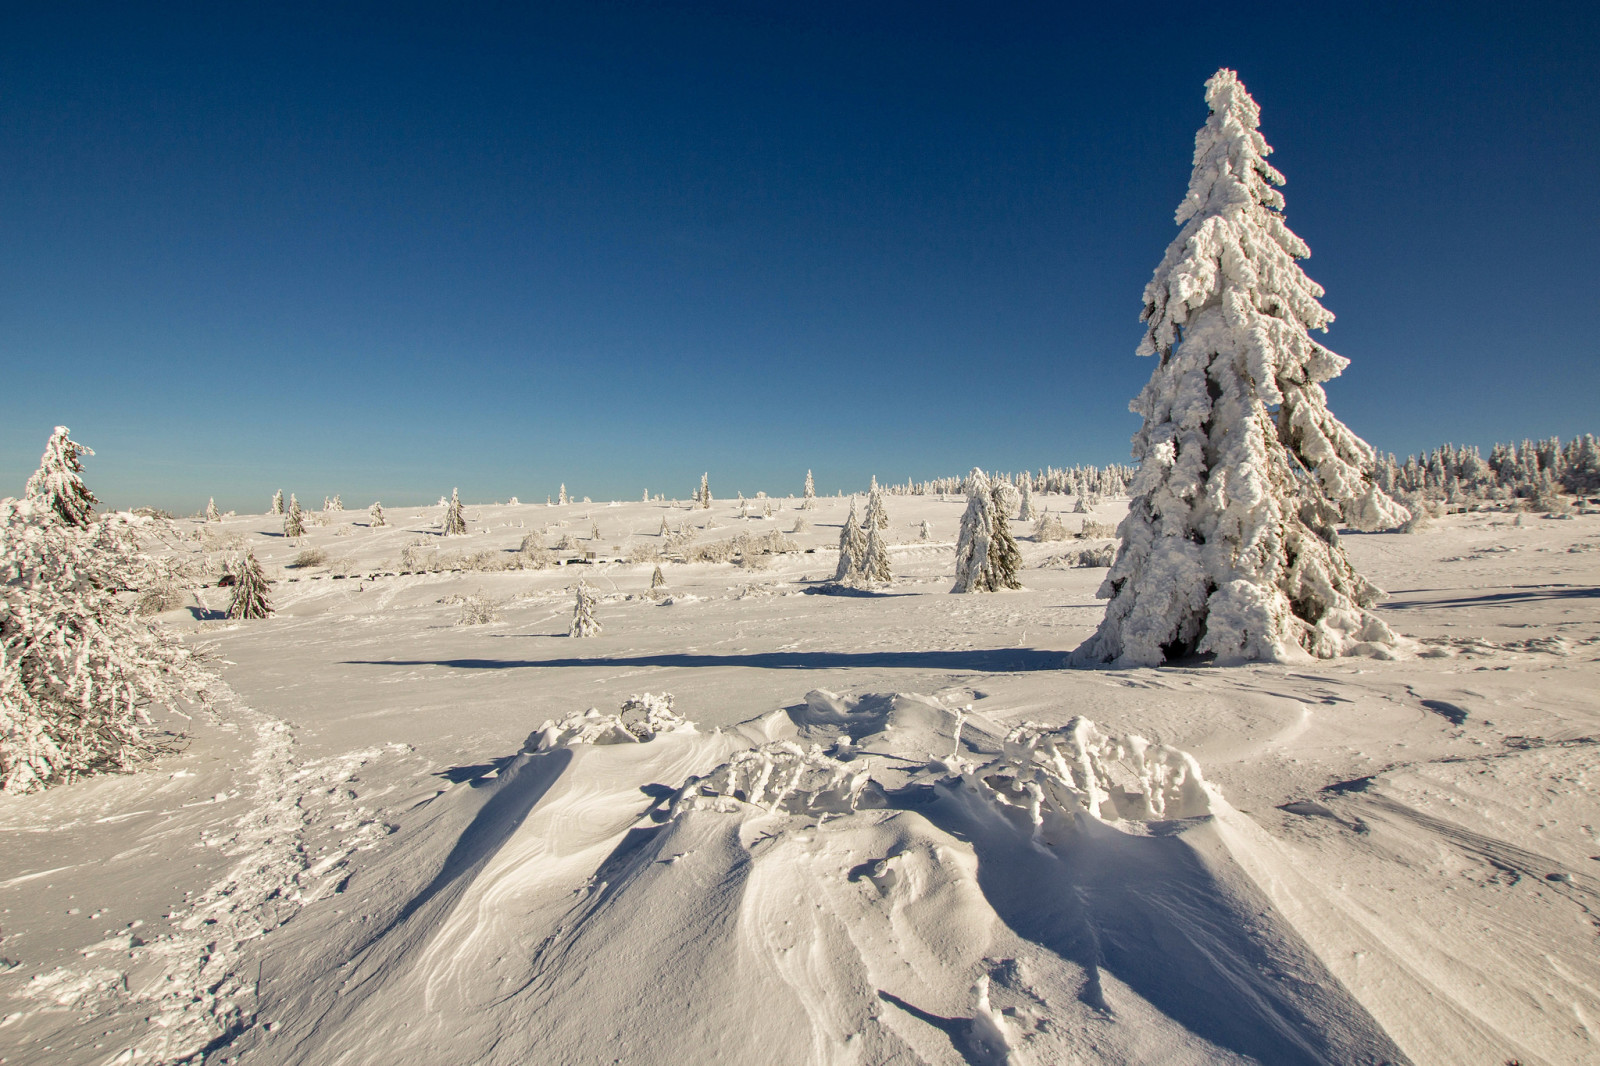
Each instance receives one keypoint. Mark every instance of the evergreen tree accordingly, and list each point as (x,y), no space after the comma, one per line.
(375,515)
(1229,545)
(249,590)
(561,497)
(877,517)
(665,530)
(810,501)
(583,620)
(704,495)
(852,547)
(926,532)
(1026,514)
(277,502)
(875,559)
(657,579)
(294,523)
(455,519)
(987,558)
(211,510)
(58,480)
(337,503)
(1005,559)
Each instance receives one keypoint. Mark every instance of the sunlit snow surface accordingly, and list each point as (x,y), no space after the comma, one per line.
(869,827)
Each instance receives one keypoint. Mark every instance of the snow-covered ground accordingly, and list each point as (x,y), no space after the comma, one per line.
(374,855)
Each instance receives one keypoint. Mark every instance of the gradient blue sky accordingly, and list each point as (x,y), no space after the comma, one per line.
(386,250)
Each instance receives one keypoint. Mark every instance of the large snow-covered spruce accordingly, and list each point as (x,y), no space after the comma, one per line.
(1229,547)
(852,547)
(77,670)
(987,558)
(58,480)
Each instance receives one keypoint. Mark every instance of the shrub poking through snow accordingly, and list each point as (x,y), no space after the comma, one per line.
(160,592)
(1049,528)
(852,547)
(1229,546)
(308,558)
(77,670)
(59,480)
(375,516)
(294,520)
(478,610)
(249,589)
(583,620)
(987,558)
(781,776)
(1089,558)
(642,719)
(455,519)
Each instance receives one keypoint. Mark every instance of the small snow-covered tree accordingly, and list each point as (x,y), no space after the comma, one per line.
(1229,546)
(583,620)
(852,546)
(561,497)
(665,530)
(809,503)
(249,589)
(657,578)
(704,495)
(212,514)
(875,559)
(1026,514)
(59,481)
(78,671)
(294,522)
(926,531)
(375,515)
(987,558)
(455,519)
(337,503)
(277,503)
(876,516)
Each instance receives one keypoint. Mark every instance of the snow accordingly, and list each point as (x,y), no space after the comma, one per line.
(866,828)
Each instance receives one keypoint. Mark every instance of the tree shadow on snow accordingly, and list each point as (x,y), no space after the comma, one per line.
(1520,594)
(989,661)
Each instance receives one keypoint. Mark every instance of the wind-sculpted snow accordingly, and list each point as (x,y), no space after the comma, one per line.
(641,719)
(878,878)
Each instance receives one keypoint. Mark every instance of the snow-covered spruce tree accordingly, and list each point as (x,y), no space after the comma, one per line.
(987,558)
(294,522)
(249,589)
(1026,513)
(277,503)
(59,481)
(583,620)
(337,503)
(809,503)
(705,490)
(876,516)
(875,559)
(375,515)
(455,519)
(212,514)
(852,547)
(77,670)
(657,578)
(926,532)
(1229,546)
(561,497)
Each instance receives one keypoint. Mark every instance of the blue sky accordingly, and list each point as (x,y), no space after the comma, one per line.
(386,250)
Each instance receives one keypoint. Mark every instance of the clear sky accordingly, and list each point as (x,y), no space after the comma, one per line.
(387,250)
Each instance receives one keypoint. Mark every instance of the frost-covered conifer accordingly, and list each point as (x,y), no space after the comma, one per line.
(1026,514)
(249,589)
(277,502)
(987,558)
(876,516)
(375,515)
(58,481)
(704,495)
(294,523)
(212,515)
(77,669)
(852,546)
(1229,545)
(926,532)
(337,503)
(583,620)
(657,578)
(455,519)
(561,497)
(809,503)
(875,559)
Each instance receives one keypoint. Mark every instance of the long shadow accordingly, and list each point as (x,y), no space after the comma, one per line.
(992,660)
(1522,594)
